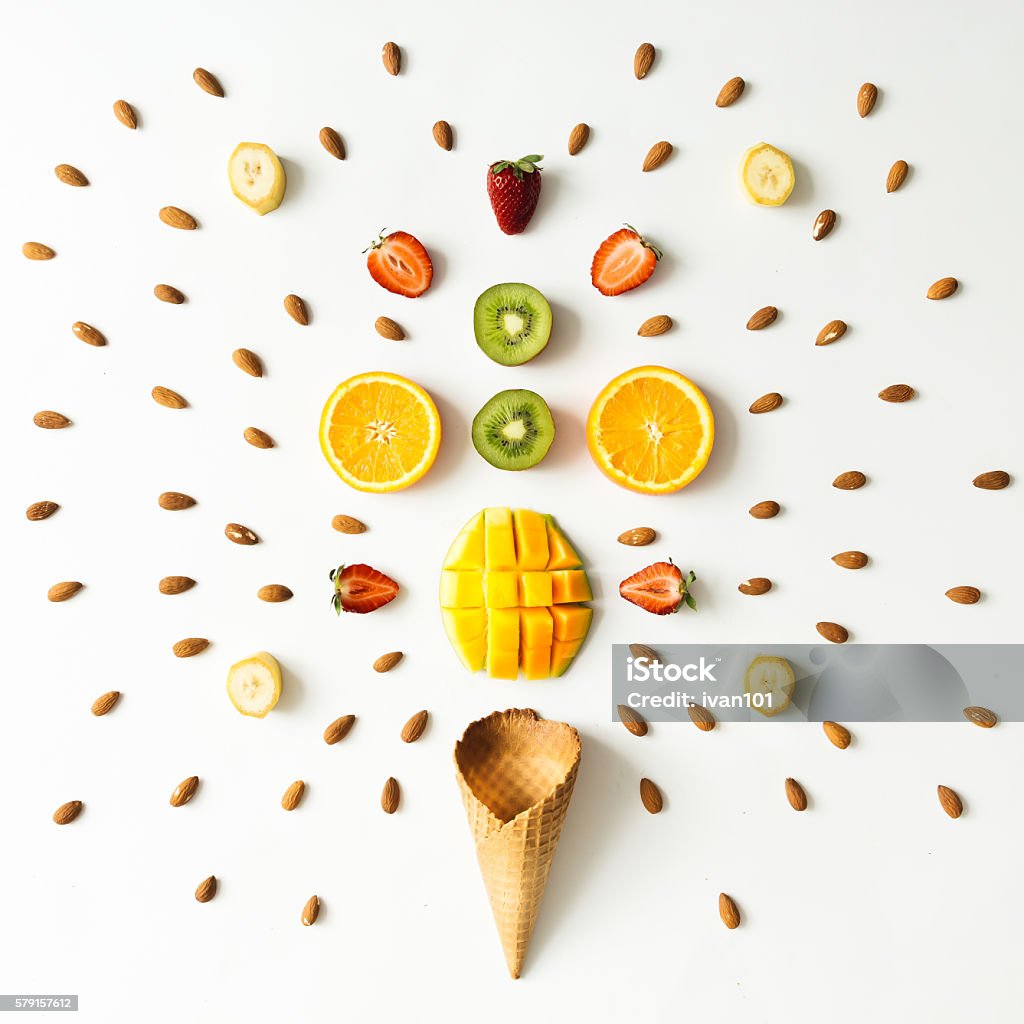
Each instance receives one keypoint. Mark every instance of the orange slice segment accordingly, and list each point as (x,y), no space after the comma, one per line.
(380,432)
(651,430)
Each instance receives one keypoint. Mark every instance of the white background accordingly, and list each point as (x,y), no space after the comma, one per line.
(871,903)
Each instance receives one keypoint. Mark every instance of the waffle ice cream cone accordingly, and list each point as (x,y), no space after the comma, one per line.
(516,773)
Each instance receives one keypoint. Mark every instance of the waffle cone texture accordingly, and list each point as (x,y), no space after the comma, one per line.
(516,773)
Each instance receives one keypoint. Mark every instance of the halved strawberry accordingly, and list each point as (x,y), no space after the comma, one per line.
(659,589)
(624,261)
(360,588)
(399,263)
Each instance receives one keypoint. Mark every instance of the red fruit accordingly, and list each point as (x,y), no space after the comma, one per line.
(400,264)
(659,589)
(361,589)
(624,261)
(513,187)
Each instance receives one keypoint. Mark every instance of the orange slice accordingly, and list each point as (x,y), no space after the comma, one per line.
(651,430)
(380,432)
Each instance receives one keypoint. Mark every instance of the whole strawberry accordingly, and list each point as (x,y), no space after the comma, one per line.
(513,187)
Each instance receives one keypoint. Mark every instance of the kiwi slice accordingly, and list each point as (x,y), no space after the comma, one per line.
(514,430)
(512,323)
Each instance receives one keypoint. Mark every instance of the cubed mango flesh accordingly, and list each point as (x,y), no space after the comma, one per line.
(461,589)
(535,628)
(570,585)
(501,589)
(536,662)
(499,542)
(562,654)
(561,554)
(571,621)
(531,537)
(535,589)
(467,550)
(467,631)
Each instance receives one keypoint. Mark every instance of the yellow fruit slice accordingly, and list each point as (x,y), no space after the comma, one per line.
(767,175)
(560,552)
(467,631)
(256,176)
(467,550)
(380,432)
(535,628)
(535,589)
(254,684)
(570,585)
(501,589)
(571,621)
(772,682)
(651,430)
(499,541)
(461,589)
(531,537)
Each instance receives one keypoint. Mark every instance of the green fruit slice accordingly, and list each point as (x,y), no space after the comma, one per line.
(514,430)
(512,323)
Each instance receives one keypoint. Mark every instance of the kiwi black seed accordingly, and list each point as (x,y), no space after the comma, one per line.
(514,430)
(512,323)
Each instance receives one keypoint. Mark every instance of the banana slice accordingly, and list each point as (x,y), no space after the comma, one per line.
(256,176)
(772,679)
(767,175)
(254,684)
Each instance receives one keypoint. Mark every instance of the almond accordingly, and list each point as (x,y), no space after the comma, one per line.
(657,155)
(766,403)
(993,480)
(311,911)
(578,138)
(728,911)
(175,217)
(980,716)
(274,593)
(943,288)
(338,729)
(296,309)
(823,225)
(63,591)
(37,251)
(125,114)
(347,524)
(897,393)
(386,662)
(176,584)
(866,97)
(795,795)
(638,537)
(950,802)
(104,704)
(639,651)
(391,56)
(293,795)
(387,328)
(650,795)
(41,510)
(730,92)
(897,175)
(258,438)
(442,132)
(167,398)
(206,889)
(850,559)
(838,735)
(390,796)
(632,720)
(642,60)
(207,82)
(765,316)
(248,362)
(654,326)
(756,586)
(70,175)
(413,729)
(701,717)
(168,293)
(764,510)
(89,334)
(238,534)
(175,501)
(964,595)
(331,141)
(833,632)
(851,480)
(190,647)
(66,813)
(50,420)
(184,791)
(832,331)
